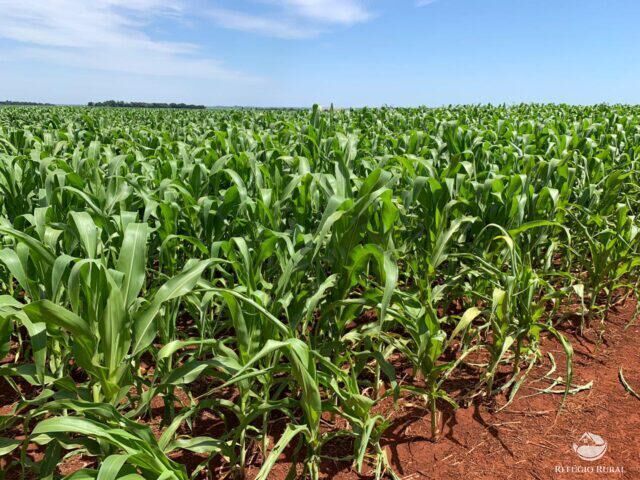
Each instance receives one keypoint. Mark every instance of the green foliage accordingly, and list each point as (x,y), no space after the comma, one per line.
(273,266)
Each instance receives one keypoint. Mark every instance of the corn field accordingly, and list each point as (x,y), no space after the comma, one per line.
(277,270)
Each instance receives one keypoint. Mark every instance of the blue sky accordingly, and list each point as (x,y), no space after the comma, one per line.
(299,52)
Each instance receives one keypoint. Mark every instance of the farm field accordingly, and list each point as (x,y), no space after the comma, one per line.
(369,293)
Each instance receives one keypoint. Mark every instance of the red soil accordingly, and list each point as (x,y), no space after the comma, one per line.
(531,438)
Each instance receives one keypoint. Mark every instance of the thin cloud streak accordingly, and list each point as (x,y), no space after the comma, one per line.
(293,19)
(345,12)
(104,35)
(272,27)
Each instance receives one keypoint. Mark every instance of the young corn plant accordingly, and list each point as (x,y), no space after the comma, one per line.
(269,268)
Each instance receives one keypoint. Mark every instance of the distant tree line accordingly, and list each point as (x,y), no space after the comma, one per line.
(18,103)
(120,103)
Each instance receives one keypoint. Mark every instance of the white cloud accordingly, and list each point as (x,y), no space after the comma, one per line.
(345,12)
(424,3)
(103,35)
(293,18)
(269,26)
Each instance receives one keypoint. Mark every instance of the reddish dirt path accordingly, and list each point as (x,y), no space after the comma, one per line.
(529,439)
